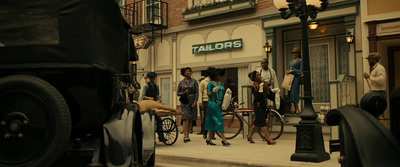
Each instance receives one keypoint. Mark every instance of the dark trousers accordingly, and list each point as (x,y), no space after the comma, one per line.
(203,114)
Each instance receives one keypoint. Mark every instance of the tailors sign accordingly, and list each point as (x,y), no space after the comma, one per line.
(217,46)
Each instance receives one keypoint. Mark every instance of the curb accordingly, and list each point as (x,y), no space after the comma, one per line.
(183,160)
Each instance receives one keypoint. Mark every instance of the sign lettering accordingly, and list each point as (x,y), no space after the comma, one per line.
(217,46)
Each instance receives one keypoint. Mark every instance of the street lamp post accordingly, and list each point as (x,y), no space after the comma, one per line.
(309,140)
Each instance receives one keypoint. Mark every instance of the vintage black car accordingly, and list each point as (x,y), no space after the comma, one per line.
(61,65)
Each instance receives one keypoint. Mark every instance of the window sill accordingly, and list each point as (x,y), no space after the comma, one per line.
(218,10)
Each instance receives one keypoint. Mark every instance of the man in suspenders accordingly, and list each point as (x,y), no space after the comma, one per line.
(269,76)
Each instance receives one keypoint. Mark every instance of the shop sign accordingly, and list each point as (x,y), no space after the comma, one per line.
(141,42)
(217,46)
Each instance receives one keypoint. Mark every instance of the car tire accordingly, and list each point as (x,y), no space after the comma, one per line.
(35,122)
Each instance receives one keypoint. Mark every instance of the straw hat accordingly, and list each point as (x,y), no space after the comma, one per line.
(296,50)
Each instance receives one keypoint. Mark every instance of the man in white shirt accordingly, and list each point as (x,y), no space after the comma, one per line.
(377,76)
(203,101)
(269,76)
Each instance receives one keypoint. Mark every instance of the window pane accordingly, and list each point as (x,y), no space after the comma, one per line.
(319,69)
(343,54)
(166,91)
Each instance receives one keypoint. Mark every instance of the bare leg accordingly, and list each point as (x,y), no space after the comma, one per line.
(186,128)
(267,138)
(224,141)
(253,130)
(296,106)
(209,135)
(190,127)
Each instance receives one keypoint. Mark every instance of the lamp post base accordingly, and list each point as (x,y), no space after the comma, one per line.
(309,144)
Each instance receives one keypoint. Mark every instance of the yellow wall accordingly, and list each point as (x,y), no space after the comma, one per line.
(382,6)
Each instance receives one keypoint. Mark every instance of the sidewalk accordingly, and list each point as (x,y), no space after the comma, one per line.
(240,153)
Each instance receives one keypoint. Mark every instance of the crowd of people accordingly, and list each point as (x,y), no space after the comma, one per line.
(209,95)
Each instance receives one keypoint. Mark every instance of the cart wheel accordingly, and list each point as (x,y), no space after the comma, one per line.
(170,131)
(35,122)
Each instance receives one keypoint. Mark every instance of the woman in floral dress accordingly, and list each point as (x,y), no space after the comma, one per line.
(189,89)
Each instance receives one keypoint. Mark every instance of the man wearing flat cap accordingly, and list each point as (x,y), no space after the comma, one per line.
(151,90)
(377,76)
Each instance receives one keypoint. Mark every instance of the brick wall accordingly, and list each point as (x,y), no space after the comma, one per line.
(177,7)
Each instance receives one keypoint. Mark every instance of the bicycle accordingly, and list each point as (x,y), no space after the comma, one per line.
(233,122)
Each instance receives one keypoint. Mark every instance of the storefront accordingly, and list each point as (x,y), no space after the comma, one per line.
(234,46)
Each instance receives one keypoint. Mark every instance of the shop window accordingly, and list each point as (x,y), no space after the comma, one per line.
(230,80)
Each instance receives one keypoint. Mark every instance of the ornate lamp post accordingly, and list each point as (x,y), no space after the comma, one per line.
(309,140)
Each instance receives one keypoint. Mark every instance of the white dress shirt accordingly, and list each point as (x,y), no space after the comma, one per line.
(203,90)
(266,76)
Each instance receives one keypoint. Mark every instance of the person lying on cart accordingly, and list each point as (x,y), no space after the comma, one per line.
(151,91)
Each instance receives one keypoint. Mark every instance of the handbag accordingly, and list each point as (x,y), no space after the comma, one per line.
(183,99)
(287,81)
(227,99)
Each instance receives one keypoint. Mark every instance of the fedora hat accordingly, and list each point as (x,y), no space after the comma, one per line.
(296,50)
(374,55)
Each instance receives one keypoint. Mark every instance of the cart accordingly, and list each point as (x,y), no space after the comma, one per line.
(169,127)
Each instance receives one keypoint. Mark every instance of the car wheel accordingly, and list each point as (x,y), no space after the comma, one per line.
(35,122)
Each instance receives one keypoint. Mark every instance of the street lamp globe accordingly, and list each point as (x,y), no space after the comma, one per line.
(281,4)
(267,48)
(316,3)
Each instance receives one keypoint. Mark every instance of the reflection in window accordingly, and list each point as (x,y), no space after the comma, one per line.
(152,10)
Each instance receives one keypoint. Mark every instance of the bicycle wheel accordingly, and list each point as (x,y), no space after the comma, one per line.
(274,125)
(232,125)
(170,131)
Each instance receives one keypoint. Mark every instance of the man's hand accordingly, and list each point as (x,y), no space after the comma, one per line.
(194,104)
(160,99)
(201,105)
(366,76)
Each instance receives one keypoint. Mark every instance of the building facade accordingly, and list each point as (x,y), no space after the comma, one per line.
(202,33)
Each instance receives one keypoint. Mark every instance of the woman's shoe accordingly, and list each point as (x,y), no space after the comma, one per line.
(270,142)
(209,142)
(186,140)
(250,139)
(225,143)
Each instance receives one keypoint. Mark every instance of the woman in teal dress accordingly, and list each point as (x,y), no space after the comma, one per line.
(214,118)
(295,68)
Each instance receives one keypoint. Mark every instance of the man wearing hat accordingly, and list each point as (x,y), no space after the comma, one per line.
(151,90)
(377,76)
